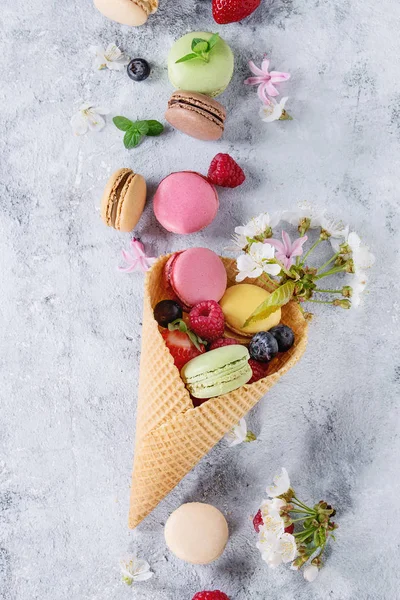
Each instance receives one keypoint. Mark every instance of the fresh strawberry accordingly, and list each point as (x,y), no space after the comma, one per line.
(216,595)
(225,172)
(258,521)
(207,320)
(221,342)
(259,370)
(230,11)
(182,343)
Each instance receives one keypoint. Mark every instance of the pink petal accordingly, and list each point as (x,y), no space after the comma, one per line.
(287,243)
(126,256)
(287,263)
(297,245)
(279,247)
(278,76)
(271,90)
(130,269)
(254,80)
(262,94)
(256,70)
(265,65)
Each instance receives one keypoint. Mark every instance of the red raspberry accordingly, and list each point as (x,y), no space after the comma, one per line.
(207,320)
(225,172)
(258,521)
(259,370)
(216,595)
(221,342)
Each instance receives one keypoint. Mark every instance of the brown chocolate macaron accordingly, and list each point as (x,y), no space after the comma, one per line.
(196,115)
(123,200)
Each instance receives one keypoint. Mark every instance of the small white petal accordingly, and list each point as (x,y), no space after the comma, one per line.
(288,547)
(281,484)
(79,124)
(310,573)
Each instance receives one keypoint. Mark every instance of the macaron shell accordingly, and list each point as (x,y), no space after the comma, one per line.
(131,203)
(239,302)
(196,533)
(185,202)
(196,115)
(198,274)
(126,12)
(222,387)
(210,78)
(111,195)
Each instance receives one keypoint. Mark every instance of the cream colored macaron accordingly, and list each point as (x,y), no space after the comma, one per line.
(123,200)
(127,12)
(197,533)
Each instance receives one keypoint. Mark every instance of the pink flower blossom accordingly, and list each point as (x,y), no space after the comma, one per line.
(265,80)
(136,258)
(286,250)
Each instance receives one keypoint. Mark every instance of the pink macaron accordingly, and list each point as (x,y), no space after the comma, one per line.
(195,275)
(185,202)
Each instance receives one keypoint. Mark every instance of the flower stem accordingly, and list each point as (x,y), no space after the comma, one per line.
(315,244)
(299,519)
(307,508)
(269,280)
(328,291)
(334,257)
(320,301)
(331,272)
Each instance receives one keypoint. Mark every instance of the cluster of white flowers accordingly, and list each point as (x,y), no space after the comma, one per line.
(260,256)
(275,545)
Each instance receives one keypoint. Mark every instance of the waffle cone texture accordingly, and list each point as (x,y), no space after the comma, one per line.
(171,435)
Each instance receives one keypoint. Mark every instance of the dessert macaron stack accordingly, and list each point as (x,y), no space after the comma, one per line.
(188,353)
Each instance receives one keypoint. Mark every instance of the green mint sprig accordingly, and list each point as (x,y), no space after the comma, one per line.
(200,49)
(135,130)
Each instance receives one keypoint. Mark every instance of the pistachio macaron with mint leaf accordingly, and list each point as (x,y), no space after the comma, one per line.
(201,62)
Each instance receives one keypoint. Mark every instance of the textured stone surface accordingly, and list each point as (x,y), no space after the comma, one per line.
(70,322)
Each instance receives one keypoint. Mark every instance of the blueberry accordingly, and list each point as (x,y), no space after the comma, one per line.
(166,312)
(138,69)
(263,346)
(284,336)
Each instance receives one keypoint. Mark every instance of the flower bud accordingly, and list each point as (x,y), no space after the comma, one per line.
(304,225)
(316,561)
(310,573)
(347,291)
(345,248)
(340,261)
(324,235)
(349,268)
(342,303)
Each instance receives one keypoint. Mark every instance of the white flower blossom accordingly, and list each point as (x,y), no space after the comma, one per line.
(258,226)
(277,550)
(304,211)
(273,111)
(362,257)
(237,434)
(336,229)
(135,569)
(272,506)
(111,58)
(88,118)
(255,263)
(358,283)
(272,524)
(310,572)
(281,484)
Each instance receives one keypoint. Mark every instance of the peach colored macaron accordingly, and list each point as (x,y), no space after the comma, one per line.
(123,200)
(196,115)
(185,202)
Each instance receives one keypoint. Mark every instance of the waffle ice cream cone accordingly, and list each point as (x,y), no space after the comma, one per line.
(171,435)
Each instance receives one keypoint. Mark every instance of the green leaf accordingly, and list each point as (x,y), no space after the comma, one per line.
(201,47)
(141,126)
(213,40)
(282,295)
(155,128)
(122,123)
(186,58)
(196,41)
(132,138)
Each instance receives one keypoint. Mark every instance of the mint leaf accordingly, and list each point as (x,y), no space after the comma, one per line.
(186,58)
(196,41)
(122,123)
(213,40)
(201,47)
(282,295)
(132,138)
(141,126)
(155,128)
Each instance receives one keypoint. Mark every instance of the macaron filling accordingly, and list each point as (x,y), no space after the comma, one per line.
(200,108)
(115,197)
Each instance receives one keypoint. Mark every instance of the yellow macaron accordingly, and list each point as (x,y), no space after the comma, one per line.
(123,200)
(239,302)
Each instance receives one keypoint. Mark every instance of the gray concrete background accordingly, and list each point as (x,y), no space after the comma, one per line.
(70,322)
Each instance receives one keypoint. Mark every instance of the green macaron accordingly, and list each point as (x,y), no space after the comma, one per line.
(217,372)
(209,75)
